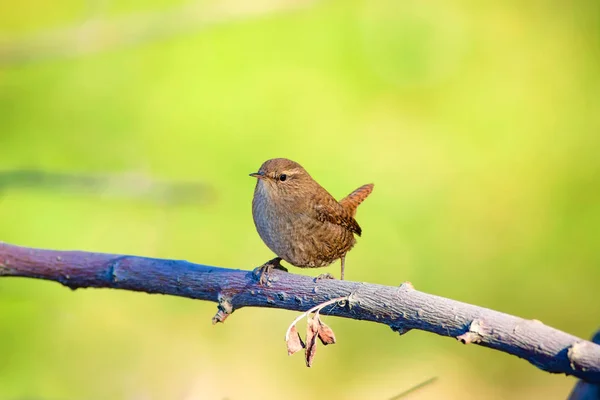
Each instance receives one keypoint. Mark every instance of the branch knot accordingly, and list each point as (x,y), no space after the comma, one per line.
(474,334)
(225,308)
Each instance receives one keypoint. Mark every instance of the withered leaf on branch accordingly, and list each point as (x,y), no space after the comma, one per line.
(312,328)
(294,341)
(325,333)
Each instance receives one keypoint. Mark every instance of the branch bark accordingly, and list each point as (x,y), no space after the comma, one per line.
(402,308)
(584,390)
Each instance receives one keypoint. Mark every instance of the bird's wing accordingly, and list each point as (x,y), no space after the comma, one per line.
(351,202)
(331,211)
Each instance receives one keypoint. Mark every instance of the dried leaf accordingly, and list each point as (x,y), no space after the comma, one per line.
(325,333)
(312,328)
(294,342)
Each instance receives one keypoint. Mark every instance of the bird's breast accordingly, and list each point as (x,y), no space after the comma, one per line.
(295,235)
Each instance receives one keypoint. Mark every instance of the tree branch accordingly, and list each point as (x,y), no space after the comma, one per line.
(402,308)
(98,34)
(584,390)
(129,186)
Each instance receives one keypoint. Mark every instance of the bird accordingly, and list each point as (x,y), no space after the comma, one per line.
(300,221)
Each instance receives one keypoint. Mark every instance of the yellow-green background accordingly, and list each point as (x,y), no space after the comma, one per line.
(478,122)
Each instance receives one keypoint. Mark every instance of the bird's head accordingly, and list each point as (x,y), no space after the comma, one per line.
(283,177)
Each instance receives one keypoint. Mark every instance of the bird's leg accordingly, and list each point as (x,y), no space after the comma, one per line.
(276,263)
(264,270)
(343,263)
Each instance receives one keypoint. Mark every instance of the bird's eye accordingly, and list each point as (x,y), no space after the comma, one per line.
(282,177)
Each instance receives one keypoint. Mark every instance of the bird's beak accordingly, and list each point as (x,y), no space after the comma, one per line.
(258,175)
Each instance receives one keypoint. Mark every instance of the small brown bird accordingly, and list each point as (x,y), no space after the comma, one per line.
(299,220)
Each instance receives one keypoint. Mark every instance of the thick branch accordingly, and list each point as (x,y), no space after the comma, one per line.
(402,308)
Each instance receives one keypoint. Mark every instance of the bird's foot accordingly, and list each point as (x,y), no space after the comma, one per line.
(326,275)
(262,273)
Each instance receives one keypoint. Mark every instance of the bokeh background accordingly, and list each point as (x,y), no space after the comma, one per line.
(478,122)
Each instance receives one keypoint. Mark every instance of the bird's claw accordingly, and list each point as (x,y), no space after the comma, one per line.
(326,275)
(262,273)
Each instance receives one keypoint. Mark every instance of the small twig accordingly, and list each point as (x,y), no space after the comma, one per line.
(95,35)
(414,388)
(127,185)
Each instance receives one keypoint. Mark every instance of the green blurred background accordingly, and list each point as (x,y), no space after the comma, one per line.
(478,122)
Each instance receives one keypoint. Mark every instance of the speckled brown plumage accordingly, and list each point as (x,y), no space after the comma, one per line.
(299,220)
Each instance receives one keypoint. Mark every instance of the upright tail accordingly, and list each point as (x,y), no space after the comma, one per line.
(351,202)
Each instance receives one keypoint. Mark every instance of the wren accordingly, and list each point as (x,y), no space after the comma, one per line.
(299,220)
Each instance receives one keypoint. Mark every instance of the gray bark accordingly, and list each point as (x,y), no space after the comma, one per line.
(402,308)
(585,390)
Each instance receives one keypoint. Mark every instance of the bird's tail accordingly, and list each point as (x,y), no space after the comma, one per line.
(351,202)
